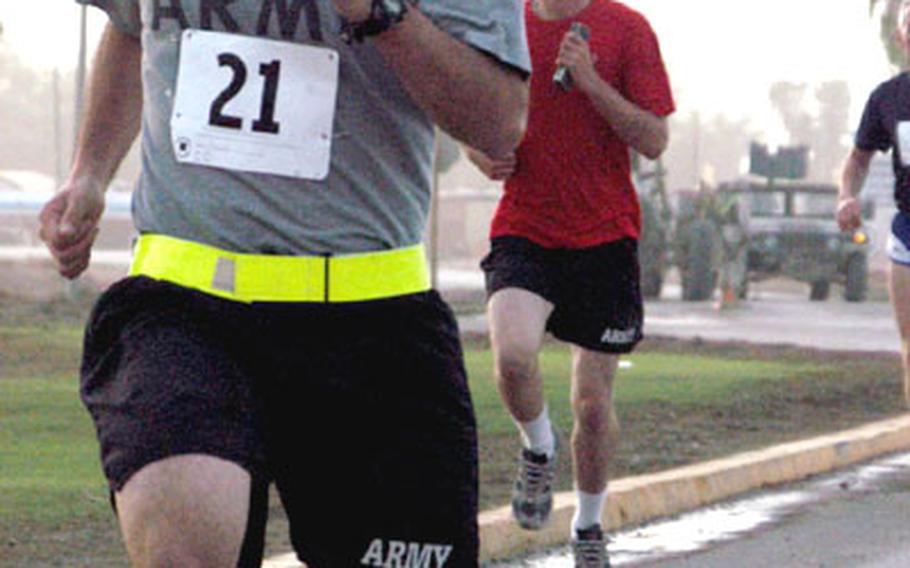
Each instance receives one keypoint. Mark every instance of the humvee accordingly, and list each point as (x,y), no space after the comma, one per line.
(783,228)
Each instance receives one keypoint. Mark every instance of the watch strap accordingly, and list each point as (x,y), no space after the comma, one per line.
(380,20)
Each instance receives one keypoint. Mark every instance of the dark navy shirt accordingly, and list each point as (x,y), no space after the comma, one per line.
(886,126)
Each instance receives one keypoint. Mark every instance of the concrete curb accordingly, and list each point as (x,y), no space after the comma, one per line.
(635,500)
(638,499)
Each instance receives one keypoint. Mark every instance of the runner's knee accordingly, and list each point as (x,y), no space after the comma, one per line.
(185,511)
(516,363)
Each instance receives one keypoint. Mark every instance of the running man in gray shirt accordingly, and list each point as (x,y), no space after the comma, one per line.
(277,323)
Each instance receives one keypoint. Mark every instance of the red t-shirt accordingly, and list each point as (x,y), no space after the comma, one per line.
(572,187)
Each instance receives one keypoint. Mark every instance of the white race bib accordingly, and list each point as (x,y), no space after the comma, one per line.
(255,105)
(903,142)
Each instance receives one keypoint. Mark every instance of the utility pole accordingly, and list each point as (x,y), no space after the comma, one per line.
(80,74)
(58,131)
(69,285)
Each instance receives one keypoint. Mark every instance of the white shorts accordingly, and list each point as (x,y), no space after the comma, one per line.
(898,245)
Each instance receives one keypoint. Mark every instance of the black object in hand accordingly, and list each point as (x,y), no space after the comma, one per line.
(562,77)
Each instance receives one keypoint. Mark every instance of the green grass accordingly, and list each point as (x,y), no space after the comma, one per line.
(674,408)
(48,454)
(49,470)
(39,351)
(689,380)
(681,380)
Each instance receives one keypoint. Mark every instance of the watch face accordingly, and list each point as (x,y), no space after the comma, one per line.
(394,8)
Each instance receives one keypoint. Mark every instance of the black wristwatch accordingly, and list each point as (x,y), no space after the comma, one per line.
(383,15)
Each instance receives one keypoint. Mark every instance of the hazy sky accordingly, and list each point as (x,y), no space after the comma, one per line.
(722,54)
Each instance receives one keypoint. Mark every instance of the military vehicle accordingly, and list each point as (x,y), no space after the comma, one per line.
(754,228)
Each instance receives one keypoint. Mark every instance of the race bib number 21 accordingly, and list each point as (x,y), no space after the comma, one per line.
(256,105)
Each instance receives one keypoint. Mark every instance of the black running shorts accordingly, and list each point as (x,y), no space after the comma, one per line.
(595,291)
(360,412)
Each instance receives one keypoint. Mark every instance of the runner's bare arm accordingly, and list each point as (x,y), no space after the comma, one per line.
(476,99)
(853,176)
(113,107)
(497,169)
(647,133)
(69,221)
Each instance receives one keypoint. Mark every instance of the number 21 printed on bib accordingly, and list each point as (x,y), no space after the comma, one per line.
(256,105)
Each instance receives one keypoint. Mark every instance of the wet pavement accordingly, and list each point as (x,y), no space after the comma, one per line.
(857,517)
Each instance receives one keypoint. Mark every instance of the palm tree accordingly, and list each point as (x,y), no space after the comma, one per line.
(888,20)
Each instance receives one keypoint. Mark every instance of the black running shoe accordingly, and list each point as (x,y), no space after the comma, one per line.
(589,546)
(532,494)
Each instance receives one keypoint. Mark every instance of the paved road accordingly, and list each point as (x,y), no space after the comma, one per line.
(834,324)
(769,316)
(856,519)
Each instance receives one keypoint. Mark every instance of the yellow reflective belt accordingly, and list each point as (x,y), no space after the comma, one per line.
(271,278)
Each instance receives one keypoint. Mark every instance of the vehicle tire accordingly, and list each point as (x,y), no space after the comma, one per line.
(819,291)
(699,277)
(857,285)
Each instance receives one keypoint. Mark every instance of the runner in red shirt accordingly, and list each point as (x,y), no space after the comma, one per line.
(564,241)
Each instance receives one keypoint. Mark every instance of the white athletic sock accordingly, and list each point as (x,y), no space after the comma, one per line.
(589,509)
(537,435)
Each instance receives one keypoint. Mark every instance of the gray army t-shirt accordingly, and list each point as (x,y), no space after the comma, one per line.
(376,194)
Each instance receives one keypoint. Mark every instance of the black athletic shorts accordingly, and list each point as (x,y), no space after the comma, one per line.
(595,291)
(360,413)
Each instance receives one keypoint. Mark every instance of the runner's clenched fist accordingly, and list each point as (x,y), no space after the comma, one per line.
(69,225)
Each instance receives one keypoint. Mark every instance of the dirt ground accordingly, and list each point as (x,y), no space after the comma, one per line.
(656,437)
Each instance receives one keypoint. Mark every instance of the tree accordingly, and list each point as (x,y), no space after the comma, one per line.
(829,146)
(36,114)
(788,99)
(706,149)
(822,133)
(26,111)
